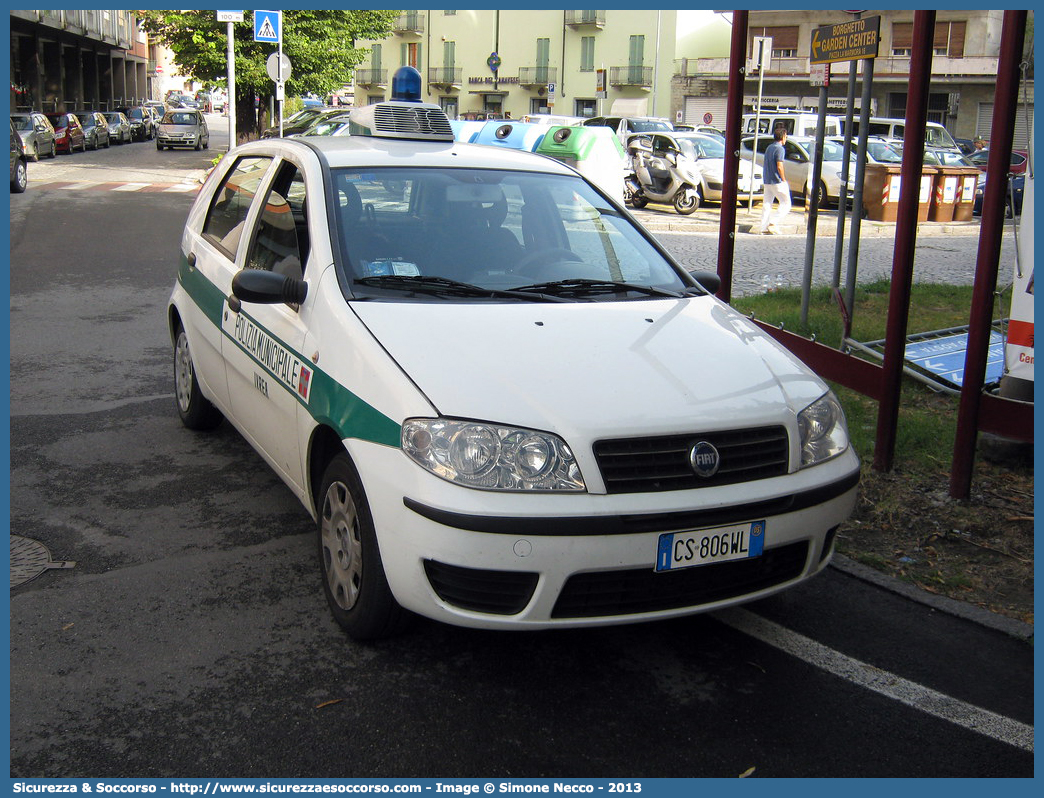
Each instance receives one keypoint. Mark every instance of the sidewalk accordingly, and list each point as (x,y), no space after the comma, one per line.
(664,219)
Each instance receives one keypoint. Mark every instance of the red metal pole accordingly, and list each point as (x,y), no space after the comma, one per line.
(905,239)
(733,113)
(1013,31)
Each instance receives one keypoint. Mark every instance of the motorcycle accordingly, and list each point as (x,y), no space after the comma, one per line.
(667,176)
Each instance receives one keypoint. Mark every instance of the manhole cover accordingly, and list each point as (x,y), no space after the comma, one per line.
(29,559)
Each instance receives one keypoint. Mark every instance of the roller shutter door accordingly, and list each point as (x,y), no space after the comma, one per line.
(1023,116)
(697,107)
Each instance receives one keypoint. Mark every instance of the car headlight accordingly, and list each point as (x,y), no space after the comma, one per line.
(824,433)
(491,456)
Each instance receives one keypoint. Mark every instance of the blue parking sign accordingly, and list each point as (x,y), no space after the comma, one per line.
(268,26)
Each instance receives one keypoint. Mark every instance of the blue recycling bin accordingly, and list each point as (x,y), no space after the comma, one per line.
(511,134)
(464,130)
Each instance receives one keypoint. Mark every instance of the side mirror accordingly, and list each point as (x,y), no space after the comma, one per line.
(268,288)
(708,280)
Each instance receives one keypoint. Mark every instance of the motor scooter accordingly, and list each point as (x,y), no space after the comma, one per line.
(666,176)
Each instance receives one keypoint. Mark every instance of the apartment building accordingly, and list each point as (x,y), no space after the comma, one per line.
(71,59)
(964,70)
(518,62)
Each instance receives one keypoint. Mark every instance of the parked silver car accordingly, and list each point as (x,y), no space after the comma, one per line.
(119,127)
(36,133)
(183,127)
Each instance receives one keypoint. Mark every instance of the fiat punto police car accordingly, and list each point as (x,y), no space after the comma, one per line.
(502,402)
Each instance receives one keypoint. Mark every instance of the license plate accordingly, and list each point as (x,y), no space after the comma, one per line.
(677,550)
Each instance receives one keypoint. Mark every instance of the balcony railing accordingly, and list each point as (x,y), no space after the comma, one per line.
(537,76)
(582,18)
(445,76)
(630,76)
(371,77)
(884,66)
(409,23)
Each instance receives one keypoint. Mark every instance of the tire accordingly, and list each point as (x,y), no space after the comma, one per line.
(54,150)
(639,201)
(349,559)
(822,202)
(159,146)
(35,155)
(686,202)
(195,410)
(21,178)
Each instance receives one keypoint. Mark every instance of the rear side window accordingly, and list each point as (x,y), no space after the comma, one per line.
(228,210)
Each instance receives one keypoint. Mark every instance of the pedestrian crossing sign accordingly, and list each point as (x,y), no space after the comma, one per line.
(268,26)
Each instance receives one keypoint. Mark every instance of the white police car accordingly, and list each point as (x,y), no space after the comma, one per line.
(503,402)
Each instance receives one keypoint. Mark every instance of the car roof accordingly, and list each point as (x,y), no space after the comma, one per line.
(370,151)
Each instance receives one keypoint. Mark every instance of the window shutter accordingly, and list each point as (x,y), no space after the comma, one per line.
(957,32)
(902,35)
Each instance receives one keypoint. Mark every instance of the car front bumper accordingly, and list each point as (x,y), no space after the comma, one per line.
(507,561)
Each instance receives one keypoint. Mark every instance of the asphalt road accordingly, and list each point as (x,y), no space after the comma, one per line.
(191,639)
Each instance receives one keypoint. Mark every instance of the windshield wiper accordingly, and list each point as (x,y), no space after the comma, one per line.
(443,286)
(581,286)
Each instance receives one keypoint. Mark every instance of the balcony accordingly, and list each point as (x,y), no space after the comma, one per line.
(584,19)
(371,77)
(411,22)
(631,76)
(445,77)
(537,76)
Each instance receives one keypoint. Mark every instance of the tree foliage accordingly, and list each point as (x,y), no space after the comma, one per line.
(321,46)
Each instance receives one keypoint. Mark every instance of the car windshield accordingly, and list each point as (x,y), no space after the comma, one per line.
(135,113)
(179,118)
(113,117)
(883,153)
(22,122)
(706,147)
(647,125)
(832,151)
(87,120)
(433,235)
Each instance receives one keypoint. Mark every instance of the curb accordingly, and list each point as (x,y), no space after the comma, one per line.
(969,612)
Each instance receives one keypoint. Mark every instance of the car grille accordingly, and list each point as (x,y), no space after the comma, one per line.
(639,465)
(605,593)
(480,590)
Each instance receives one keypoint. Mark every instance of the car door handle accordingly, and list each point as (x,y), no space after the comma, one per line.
(191,260)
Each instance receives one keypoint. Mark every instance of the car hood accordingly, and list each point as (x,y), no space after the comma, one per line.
(594,369)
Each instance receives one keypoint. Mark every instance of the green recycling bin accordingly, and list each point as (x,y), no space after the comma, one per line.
(595,152)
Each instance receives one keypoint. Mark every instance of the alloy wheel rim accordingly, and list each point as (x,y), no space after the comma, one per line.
(342,546)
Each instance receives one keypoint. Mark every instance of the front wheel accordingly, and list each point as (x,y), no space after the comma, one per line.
(195,410)
(686,201)
(349,559)
(21,178)
(35,155)
(54,150)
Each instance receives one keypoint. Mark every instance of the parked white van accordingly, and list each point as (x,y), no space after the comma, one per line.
(796,123)
(892,129)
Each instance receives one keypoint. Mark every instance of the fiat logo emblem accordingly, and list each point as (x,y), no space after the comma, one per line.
(704,459)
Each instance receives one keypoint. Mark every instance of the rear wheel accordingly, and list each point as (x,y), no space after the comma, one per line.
(349,560)
(195,410)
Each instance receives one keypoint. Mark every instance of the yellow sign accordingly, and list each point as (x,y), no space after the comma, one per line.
(846,41)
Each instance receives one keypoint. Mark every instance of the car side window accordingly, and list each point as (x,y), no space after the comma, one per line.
(226,217)
(281,242)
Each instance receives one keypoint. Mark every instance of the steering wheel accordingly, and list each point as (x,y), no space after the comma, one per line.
(550,255)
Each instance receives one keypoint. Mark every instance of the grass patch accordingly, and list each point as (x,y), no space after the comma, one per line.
(927,418)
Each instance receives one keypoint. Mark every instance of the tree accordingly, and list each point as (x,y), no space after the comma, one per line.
(320,46)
